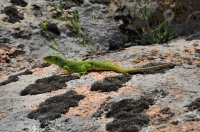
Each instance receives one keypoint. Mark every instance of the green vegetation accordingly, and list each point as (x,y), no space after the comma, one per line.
(160,33)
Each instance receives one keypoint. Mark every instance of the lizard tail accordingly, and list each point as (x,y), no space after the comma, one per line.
(136,70)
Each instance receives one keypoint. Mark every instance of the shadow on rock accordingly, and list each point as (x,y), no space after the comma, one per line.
(48,84)
(53,107)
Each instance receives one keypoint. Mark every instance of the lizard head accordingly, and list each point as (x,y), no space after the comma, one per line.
(51,59)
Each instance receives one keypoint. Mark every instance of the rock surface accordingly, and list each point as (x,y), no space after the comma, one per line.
(36,96)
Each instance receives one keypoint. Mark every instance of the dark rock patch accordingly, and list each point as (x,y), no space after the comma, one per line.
(10,80)
(133,36)
(35,7)
(73,2)
(21,3)
(114,83)
(53,28)
(127,115)
(154,95)
(78,2)
(4,40)
(36,10)
(110,83)
(193,37)
(14,15)
(175,123)
(133,124)
(48,84)
(166,110)
(53,107)
(41,65)
(197,51)
(197,54)
(168,113)
(14,78)
(66,6)
(116,41)
(19,32)
(99,1)
(128,105)
(56,14)
(194,105)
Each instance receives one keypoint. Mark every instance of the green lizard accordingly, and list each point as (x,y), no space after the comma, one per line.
(92,65)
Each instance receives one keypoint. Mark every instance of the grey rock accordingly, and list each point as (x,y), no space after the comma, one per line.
(188,116)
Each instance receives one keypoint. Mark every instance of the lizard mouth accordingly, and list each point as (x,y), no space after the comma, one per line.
(47,58)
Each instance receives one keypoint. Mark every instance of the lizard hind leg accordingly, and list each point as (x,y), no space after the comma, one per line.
(83,70)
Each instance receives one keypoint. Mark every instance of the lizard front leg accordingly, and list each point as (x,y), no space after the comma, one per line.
(83,68)
(66,68)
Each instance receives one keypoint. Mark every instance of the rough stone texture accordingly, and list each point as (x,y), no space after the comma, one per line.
(175,89)
(24,43)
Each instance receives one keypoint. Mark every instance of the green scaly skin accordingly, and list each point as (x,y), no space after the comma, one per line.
(82,67)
